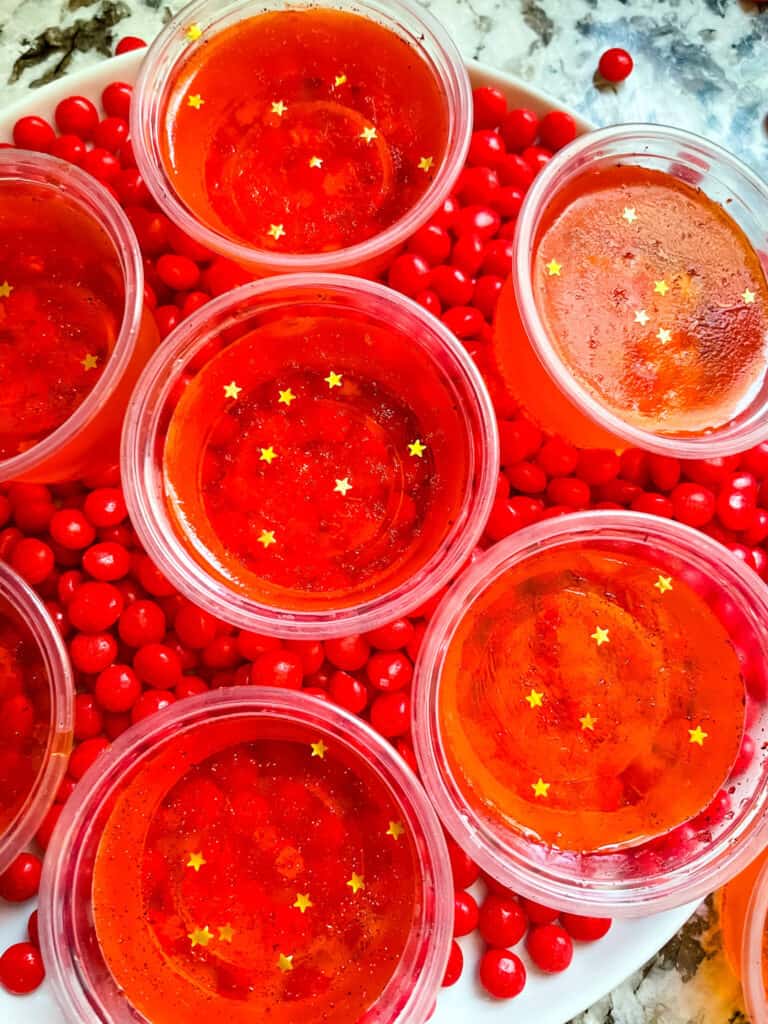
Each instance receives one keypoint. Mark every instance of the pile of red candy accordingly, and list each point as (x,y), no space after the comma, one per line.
(138,646)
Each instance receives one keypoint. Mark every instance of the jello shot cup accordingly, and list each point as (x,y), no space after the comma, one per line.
(73,332)
(754,959)
(294,137)
(637,311)
(310,454)
(36,713)
(251,854)
(590,713)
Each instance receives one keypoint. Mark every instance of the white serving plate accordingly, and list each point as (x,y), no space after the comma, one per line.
(597,967)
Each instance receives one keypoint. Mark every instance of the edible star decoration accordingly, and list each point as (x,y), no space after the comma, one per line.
(226,933)
(193,33)
(285,397)
(267,455)
(285,963)
(276,231)
(535,698)
(368,134)
(417,449)
(195,101)
(200,936)
(231,390)
(267,537)
(630,214)
(90,362)
(663,584)
(660,287)
(303,902)
(664,335)
(279,108)
(196,861)
(318,749)
(340,80)
(342,486)
(425,164)
(600,636)
(748,297)
(697,735)
(5,290)
(588,722)
(395,830)
(315,161)
(554,268)
(333,380)
(356,883)
(540,788)
(641,317)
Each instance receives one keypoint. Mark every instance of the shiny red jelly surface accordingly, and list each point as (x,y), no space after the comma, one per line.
(303,131)
(255,872)
(317,461)
(61,307)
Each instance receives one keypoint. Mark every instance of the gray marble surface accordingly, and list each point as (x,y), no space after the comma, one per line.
(700,64)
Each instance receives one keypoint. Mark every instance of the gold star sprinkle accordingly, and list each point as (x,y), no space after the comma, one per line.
(641,317)
(395,830)
(340,80)
(697,735)
(342,486)
(303,902)
(356,883)
(279,108)
(285,963)
(600,636)
(285,397)
(540,788)
(630,214)
(315,161)
(368,134)
(318,749)
(660,287)
(195,101)
(417,448)
(231,390)
(200,936)
(333,380)
(748,297)
(226,933)
(90,362)
(535,698)
(276,231)
(425,164)
(196,861)
(588,722)
(193,33)
(663,584)
(267,455)
(664,335)
(267,537)
(5,290)
(554,268)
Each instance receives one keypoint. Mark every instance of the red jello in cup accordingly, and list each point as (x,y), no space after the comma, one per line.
(754,951)
(73,334)
(638,308)
(249,855)
(590,713)
(294,136)
(36,709)
(310,454)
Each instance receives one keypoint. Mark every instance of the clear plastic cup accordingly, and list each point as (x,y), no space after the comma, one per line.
(531,364)
(754,952)
(651,873)
(444,377)
(82,983)
(20,602)
(89,438)
(407,19)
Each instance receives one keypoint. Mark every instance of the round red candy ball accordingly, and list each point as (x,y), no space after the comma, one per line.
(615,65)
(502,921)
(550,947)
(21,879)
(502,974)
(21,968)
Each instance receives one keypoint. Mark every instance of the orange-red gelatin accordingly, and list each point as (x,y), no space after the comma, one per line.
(590,700)
(61,307)
(651,296)
(303,131)
(25,714)
(317,461)
(254,872)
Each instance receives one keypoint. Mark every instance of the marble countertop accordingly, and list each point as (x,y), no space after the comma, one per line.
(700,64)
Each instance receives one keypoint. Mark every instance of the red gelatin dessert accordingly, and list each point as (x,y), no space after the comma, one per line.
(641,306)
(72,337)
(262,859)
(322,455)
(303,130)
